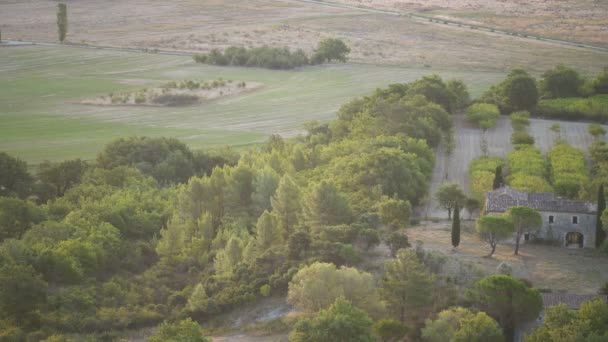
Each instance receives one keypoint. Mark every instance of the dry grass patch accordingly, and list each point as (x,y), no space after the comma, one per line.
(581,271)
(577,20)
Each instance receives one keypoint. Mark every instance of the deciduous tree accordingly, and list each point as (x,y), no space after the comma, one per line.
(330,49)
(317,286)
(14,178)
(561,81)
(460,324)
(472,205)
(61,176)
(524,220)
(390,330)
(342,321)
(185,330)
(17,216)
(394,212)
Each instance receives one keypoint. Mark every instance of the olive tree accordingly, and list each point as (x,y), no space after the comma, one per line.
(493,229)
(449,196)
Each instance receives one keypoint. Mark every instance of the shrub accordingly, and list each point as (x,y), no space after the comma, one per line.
(483,114)
(264,57)
(528,161)
(140,98)
(265,290)
(175,100)
(520,120)
(482,171)
(522,138)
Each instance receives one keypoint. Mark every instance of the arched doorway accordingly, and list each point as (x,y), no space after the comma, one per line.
(574,239)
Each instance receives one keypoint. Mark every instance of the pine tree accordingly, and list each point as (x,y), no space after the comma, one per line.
(268,232)
(325,206)
(286,205)
(498,181)
(456,227)
(62,20)
(600,235)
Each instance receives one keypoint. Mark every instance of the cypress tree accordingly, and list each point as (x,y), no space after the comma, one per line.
(600,235)
(62,21)
(498,181)
(456,227)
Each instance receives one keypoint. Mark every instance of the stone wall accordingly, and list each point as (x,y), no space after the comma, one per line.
(563,224)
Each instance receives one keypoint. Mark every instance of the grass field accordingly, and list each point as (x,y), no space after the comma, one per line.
(40,88)
(373,37)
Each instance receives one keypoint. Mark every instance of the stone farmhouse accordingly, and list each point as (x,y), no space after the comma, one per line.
(572,223)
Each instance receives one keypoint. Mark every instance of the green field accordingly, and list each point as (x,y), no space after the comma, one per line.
(41,118)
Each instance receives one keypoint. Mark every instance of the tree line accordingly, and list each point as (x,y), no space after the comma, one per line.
(561,93)
(328,50)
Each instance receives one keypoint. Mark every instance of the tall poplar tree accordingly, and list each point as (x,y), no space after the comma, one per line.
(62,20)
(600,235)
(456,227)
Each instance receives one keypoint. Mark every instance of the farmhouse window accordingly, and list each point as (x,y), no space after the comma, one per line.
(574,219)
(550,218)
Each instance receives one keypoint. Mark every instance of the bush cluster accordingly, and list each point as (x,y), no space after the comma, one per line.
(193,84)
(276,58)
(481,173)
(574,108)
(568,170)
(528,170)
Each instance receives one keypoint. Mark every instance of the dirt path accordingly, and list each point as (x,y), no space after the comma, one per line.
(467,138)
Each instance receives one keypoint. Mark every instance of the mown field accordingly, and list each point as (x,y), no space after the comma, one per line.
(40,88)
(377,38)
